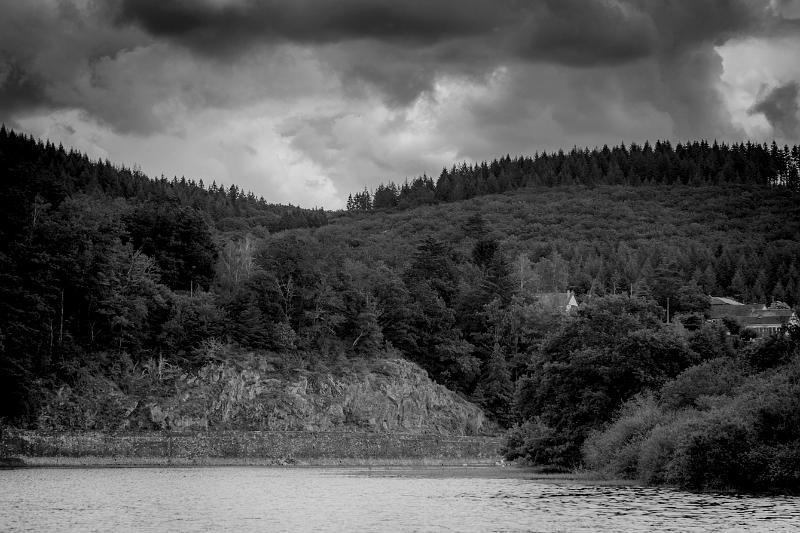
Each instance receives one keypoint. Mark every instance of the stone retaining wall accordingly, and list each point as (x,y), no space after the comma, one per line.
(247,447)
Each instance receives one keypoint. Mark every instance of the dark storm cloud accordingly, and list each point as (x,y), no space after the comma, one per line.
(579,33)
(574,32)
(400,47)
(780,107)
(48,51)
(215,27)
(19,90)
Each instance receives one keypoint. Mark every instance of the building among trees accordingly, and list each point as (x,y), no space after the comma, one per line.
(558,302)
(758,319)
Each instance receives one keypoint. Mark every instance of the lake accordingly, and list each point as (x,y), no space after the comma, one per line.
(363,499)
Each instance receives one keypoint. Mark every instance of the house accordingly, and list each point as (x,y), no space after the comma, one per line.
(758,319)
(769,321)
(558,302)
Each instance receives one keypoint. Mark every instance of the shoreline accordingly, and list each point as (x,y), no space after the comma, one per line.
(201,462)
(246,448)
(420,466)
(423,454)
(423,468)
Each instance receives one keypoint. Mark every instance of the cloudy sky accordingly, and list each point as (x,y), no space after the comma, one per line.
(303,101)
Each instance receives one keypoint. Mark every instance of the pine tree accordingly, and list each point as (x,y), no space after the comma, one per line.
(739,284)
(495,389)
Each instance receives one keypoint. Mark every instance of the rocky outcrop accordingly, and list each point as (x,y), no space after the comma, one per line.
(392,395)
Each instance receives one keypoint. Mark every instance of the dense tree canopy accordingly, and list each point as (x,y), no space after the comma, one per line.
(693,163)
(614,348)
(728,423)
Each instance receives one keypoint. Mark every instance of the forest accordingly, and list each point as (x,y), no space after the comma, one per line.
(691,163)
(104,271)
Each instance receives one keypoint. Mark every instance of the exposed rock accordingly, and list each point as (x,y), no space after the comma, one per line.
(391,395)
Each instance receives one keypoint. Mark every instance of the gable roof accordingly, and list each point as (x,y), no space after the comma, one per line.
(560,301)
(721,300)
(750,315)
(734,311)
(773,320)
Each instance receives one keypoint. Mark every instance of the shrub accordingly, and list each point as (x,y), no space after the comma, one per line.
(536,443)
(713,453)
(615,451)
(711,341)
(770,352)
(782,470)
(712,378)
(714,427)
(658,449)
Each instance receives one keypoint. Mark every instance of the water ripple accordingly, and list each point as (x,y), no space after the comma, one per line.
(303,499)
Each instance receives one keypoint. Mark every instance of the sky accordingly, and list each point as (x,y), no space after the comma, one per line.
(305,101)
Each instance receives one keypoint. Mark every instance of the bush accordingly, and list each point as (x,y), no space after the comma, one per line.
(711,341)
(718,425)
(770,352)
(615,451)
(658,449)
(782,470)
(712,378)
(713,454)
(536,443)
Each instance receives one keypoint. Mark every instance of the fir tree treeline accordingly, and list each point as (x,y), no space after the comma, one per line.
(692,163)
(41,169)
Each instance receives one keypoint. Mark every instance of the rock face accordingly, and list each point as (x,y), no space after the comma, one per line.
(392,395)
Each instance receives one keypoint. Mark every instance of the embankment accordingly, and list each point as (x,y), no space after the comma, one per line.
(246,448)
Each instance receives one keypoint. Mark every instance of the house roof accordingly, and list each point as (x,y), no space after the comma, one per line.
(555,300)
(783,313)
(765,320)
(753,314)
(735,311)
(721,300)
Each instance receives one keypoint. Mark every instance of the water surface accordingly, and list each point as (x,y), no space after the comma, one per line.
(361,499)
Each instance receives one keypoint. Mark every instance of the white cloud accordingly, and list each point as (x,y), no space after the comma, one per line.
(753,66)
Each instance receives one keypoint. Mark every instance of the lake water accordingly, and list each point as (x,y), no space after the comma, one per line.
(362,499)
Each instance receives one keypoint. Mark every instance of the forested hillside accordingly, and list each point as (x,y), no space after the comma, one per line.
(48,174)
(95,257)
(738,240)
(106,273)
(692,163)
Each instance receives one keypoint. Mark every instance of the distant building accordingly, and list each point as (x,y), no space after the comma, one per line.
(558,302)
(769,321)
(757,318)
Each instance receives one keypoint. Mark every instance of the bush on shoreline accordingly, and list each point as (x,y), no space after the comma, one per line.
(717,426)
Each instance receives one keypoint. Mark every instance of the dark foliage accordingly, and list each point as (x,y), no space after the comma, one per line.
(726,424)
(694,163)
(615,348)
(95,257)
